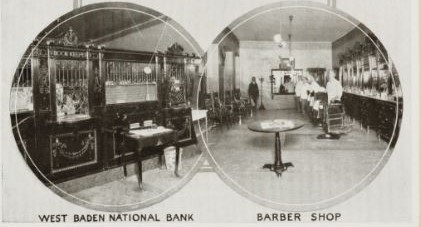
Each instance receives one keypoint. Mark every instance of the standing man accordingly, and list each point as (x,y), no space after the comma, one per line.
(253,92)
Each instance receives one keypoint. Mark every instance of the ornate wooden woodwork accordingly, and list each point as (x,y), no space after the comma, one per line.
(83,96)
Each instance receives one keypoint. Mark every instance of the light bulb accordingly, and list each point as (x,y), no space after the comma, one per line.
(147,70)
(197,61)
(284,44)
(191,67)
(277,38)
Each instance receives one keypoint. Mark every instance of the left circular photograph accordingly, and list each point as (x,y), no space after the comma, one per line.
(101,106)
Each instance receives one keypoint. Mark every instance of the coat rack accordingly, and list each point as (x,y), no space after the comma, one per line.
(262,107)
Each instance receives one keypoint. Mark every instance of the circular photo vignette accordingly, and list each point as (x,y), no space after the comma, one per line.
(182,60)
(235,174)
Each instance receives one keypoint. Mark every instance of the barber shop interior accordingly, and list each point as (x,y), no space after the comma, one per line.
(102,105)
(300,100)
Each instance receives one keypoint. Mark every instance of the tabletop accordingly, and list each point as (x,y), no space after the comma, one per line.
(276,125)
(140,138)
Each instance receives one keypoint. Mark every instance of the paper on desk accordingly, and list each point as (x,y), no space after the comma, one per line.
(149,131)
(277,124)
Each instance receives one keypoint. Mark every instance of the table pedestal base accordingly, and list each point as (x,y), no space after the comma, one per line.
(278,169)
(329,136)
(276,126)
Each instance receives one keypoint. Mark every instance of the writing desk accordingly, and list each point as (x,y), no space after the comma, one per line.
(156,139)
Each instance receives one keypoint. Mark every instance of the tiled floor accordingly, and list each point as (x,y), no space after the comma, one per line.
(112,188)
(322,168)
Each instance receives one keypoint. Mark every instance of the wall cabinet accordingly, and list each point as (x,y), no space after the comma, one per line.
(372,92)
(382,116)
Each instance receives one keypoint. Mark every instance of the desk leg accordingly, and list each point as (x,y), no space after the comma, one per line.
(278,154)
(162,161)
(177,160)
(138,169)
(123,157)
(206,126)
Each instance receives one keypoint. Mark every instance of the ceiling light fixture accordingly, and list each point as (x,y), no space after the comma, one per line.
(290,38)
(278,37)
(147,70)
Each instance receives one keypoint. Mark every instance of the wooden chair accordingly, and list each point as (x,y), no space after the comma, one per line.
(214,109)
(248,108)
(228,115)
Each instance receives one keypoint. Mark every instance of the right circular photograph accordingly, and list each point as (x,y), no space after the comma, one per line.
(304,105)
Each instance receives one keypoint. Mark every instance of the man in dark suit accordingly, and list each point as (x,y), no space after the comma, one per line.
(253,91)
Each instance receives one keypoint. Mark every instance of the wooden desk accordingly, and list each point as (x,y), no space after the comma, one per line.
(139,140)
(197,115)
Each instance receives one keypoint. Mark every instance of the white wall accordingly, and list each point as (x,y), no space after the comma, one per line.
(258,58)
(229,71)
(212,69)
(237,72)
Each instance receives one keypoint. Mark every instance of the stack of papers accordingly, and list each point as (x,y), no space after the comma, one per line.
(149,131)
(279,123)
(147,123)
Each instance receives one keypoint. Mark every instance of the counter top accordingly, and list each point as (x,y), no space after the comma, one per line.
(72,118)
(374,97)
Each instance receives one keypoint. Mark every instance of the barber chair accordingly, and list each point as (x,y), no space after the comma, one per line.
(310,112)
(318,114)
(334,121)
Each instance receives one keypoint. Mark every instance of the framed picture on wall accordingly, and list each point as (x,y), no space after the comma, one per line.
(287,64)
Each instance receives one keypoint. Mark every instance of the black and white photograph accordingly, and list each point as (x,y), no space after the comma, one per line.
(260,112)
(307,93)
(101,106)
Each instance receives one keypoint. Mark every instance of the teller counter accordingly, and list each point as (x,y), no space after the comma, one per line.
(71,103)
